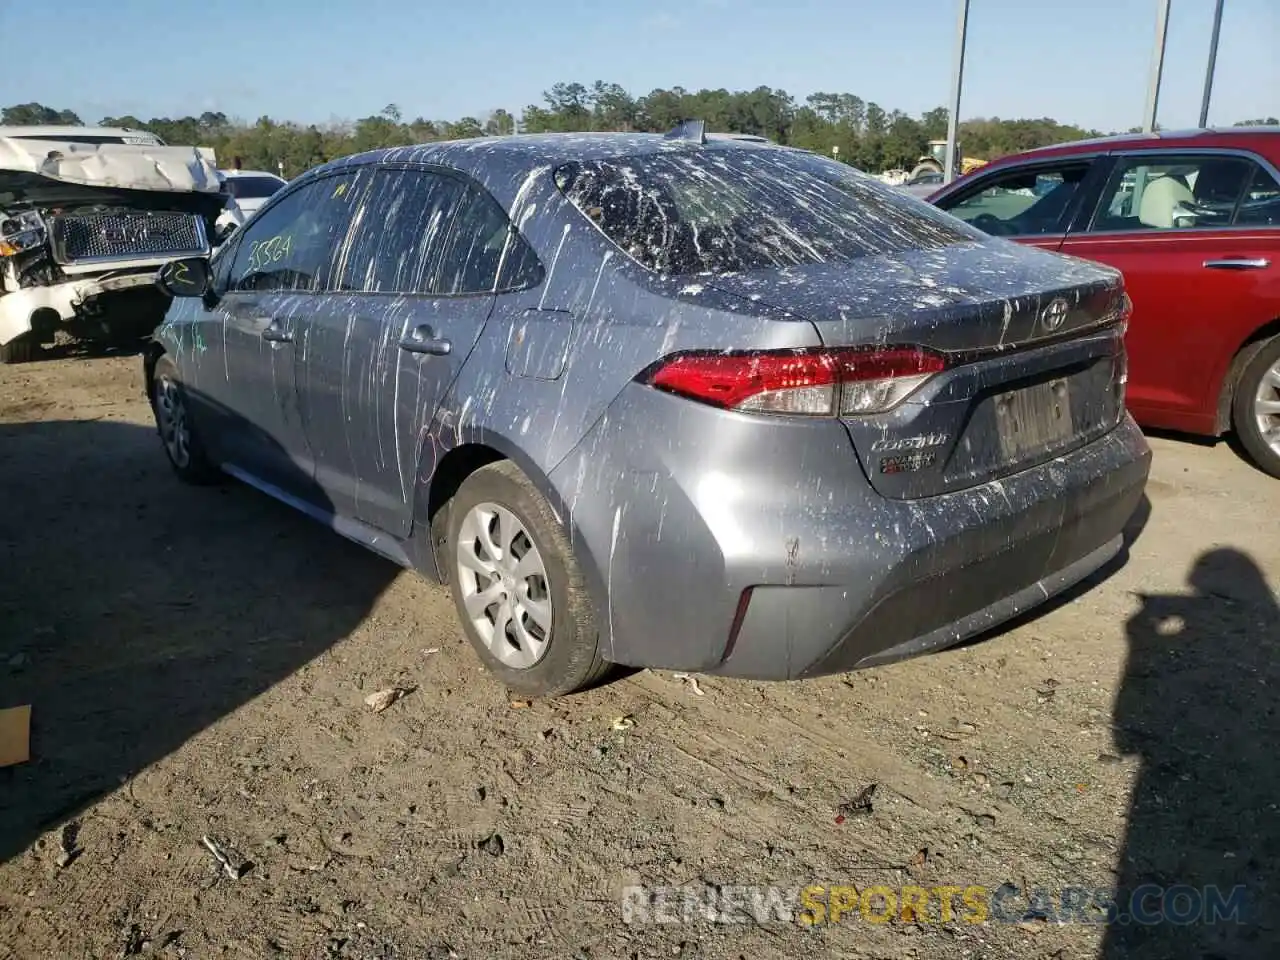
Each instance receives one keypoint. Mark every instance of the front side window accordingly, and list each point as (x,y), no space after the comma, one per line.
(400,232)
(1022,202)
(724,210)
(220,264)
(1166,192)
(291,246)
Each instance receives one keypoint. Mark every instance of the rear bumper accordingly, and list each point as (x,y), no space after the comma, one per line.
(672,534)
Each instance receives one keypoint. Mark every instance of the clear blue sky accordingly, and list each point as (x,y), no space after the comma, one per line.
(1082,61)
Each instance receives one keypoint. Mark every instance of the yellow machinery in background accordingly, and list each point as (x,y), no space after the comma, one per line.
(936,161)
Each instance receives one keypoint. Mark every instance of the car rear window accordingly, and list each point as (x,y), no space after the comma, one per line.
(253,188)
(94,138)
(727,210)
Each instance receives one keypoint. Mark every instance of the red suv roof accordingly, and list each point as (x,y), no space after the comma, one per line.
(1263,140)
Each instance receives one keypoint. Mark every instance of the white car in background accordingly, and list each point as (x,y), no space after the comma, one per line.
(252,188)
(247,191)
(923,184)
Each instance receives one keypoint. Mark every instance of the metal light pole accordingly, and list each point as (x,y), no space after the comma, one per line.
(1157,65)
(957,79)
(1213,63)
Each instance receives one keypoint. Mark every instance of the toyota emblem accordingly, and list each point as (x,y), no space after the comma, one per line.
(1055,314)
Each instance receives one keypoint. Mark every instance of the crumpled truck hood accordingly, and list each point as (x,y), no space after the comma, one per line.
(29,168)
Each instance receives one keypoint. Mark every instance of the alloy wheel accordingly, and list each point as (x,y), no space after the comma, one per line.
(1266,407)
(171,417)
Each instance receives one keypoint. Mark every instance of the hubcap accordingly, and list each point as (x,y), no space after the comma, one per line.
(171,418)
(503,584)
(1266,407)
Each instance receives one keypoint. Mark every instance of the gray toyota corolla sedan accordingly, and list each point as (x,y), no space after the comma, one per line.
(666,401)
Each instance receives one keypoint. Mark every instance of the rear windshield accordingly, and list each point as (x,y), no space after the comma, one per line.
(253,188)
(720,211)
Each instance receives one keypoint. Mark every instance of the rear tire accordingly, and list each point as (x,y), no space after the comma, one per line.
(21,349)
(1255,408)
(181,443)
(517,586)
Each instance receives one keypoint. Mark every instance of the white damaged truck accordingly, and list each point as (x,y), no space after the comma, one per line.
(84,225)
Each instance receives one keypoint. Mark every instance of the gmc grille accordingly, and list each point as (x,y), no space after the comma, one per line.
(134,235)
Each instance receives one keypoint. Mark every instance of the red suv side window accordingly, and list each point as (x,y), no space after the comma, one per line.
(1023,202)
(1178,192)
(1260,205)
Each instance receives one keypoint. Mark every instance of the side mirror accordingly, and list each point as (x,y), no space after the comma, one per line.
(185,278)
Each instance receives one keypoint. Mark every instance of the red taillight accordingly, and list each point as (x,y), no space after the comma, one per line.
(813,382)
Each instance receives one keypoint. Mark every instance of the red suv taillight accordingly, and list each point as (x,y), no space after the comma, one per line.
(808,382)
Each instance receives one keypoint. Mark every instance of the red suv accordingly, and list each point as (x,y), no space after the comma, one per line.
(1192,220)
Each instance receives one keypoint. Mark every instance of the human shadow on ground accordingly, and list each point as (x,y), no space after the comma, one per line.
(1198,874)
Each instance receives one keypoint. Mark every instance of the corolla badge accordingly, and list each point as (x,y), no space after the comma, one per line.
(920,442)
(1055,314)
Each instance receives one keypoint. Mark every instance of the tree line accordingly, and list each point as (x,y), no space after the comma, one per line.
(854,130)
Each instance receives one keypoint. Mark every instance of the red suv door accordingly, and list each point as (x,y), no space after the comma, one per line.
(1196,235)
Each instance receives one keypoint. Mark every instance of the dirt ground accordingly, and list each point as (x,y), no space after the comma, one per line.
(198,660)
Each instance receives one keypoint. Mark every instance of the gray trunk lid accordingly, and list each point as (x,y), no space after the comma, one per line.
(1037,365)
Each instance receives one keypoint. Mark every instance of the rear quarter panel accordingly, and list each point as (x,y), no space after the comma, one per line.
(512,395)
(619,319)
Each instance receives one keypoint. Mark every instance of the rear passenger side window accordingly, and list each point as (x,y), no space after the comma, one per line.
(399,236)
(485,253)
(1169,192)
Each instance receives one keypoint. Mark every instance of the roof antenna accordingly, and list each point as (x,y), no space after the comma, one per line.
(695,131)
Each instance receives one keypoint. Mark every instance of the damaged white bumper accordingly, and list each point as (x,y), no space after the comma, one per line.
(20,308)
(80,224)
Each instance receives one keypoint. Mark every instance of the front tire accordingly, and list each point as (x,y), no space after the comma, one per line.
(173,422)
(1255,409)
(517,586)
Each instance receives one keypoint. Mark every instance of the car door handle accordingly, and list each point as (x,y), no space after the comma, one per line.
(424,340)
(1238,263)
(276,333)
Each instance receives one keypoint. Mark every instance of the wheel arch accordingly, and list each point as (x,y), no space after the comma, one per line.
(1244,353)
(150,357)
(441,472)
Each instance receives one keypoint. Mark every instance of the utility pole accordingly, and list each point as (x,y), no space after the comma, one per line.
(957,79)
(1213,63)
(1157,65)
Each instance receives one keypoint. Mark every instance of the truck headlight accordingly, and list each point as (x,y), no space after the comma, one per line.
(21,231)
